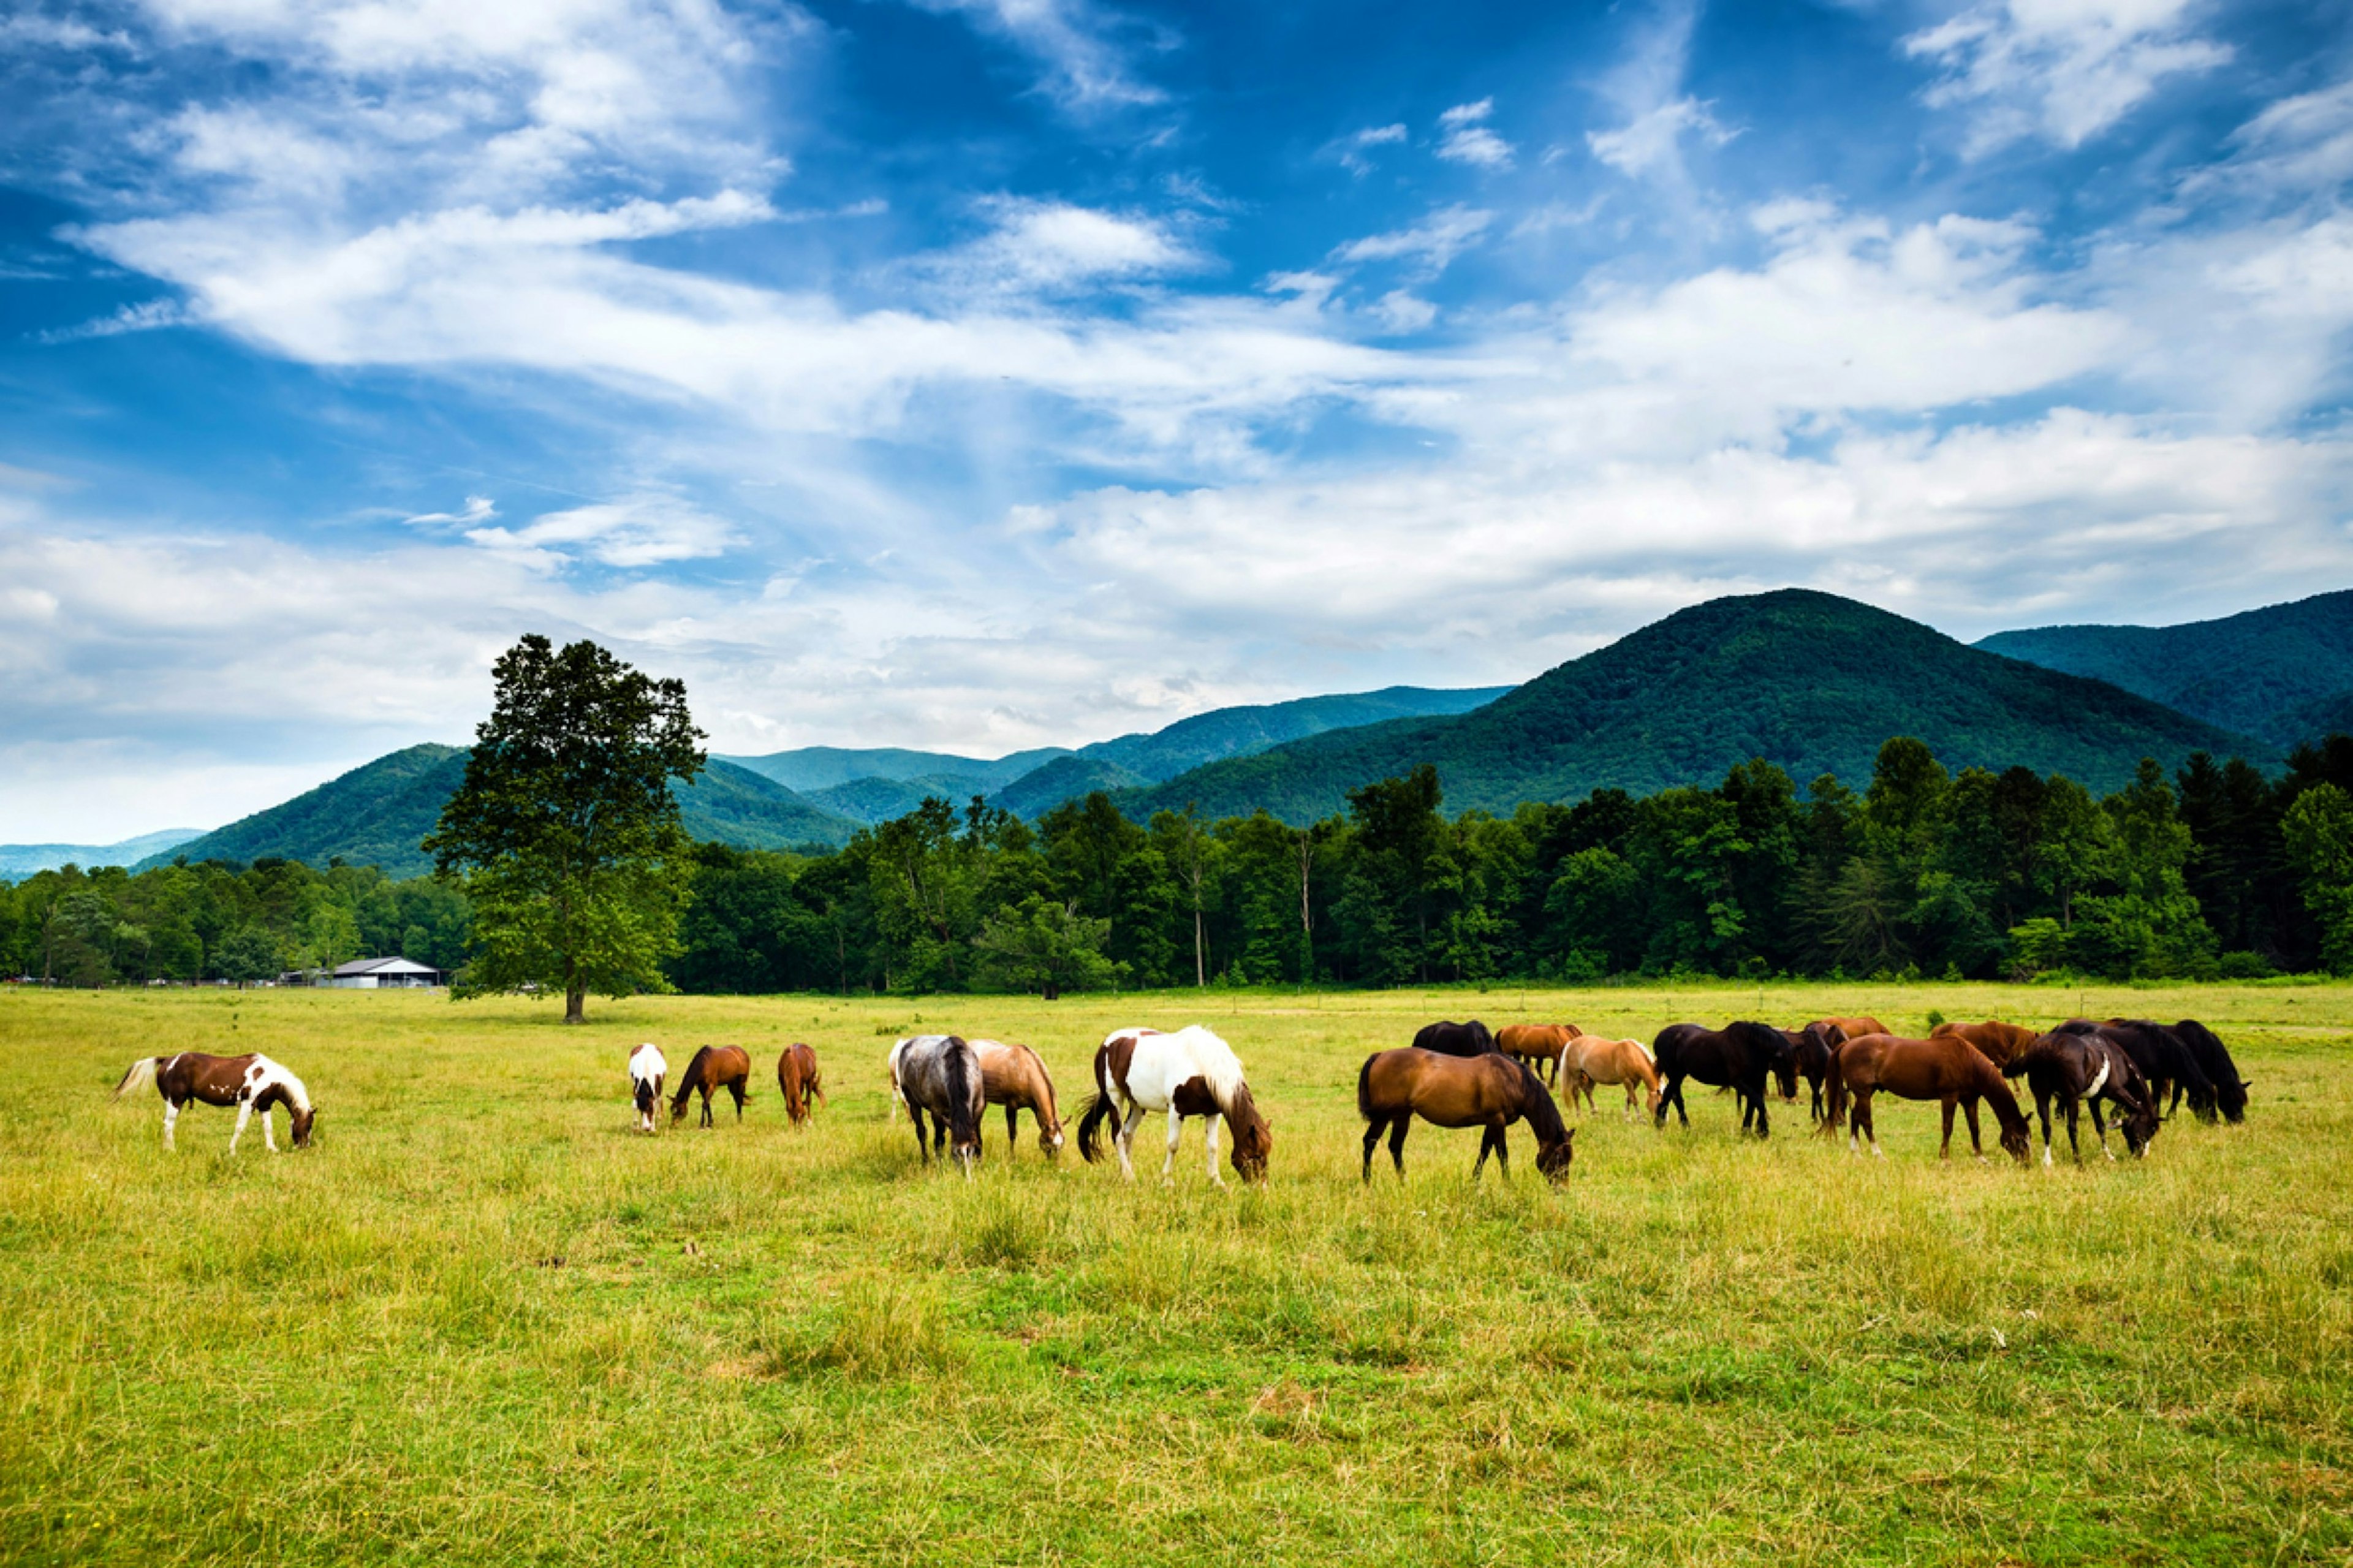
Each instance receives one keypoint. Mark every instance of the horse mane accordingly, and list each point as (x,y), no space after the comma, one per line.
(1648,1055)
(1536,1105)
(275,1076)
(1220,1068)
(952,1062)
(686,1080)
(1770,1040)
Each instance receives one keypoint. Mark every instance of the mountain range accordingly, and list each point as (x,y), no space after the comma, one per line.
(24,859)
(1808,680)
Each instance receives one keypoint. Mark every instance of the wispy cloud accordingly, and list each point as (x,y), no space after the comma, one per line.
(1464,137)
(1353,151)
(2061,72)
(147,316)
(1430,245)
(634,531)
(479,510)
(1086,67)
(1656,115)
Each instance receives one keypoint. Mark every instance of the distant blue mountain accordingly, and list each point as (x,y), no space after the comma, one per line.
(17,860)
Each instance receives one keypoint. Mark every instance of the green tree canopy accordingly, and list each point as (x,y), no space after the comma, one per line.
(564,831)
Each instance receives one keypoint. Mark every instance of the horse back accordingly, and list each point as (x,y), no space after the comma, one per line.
(215,1080)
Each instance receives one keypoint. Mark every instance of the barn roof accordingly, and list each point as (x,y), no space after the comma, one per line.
(382,966)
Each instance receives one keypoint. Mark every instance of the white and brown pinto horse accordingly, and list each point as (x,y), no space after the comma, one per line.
(250,1083)
(647,1071)
(1015,1078)
(1189,1073)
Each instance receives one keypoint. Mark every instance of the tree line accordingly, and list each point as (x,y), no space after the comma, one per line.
(2214,872)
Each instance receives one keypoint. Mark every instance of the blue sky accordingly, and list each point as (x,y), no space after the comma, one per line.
(984,373)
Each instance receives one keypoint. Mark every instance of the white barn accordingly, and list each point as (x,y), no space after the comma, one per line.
(383,975)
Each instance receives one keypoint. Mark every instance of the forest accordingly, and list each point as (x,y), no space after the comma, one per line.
(2217,871)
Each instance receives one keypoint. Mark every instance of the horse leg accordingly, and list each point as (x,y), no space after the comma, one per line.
(1373,1131)
(2043,1109)
(1869,1127)
(1175,1132)
(2100,1126)
(1013,1131)
(269,1141)
(2074,1146)
(1396,1143)
(923,1143)
(1945,1150)
(171,1115)
(736,1088)
(1503,1152)
(1210,1137)
(1126,1139)
(1764,1114)
(244,1111)
(1977,1147)
(1486,1147)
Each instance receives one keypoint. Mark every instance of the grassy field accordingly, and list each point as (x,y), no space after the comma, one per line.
(479,1321)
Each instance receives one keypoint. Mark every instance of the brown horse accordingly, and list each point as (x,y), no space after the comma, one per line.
(1490,1091)
(1590,1059)
(1014,1078)
(1810,1053)
(1947,1069)
(714,1068)
(1851,1028)
(1538,1043)
(1449,1038)
(251,1083)
(797,1079)
(2079,1069)
(2001,1042)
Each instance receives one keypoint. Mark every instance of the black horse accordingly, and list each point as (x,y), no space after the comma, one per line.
(1737,1056)
(1811,1049)
(1471,1039)
(2078,1069)
(2214,1060)
(2163,1060)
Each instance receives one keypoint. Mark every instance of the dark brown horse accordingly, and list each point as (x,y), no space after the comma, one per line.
(2162,1057)
(1944,1069)
(714,1068)
(2080,1069)
(2214,1060)
(1451,1039)
(1809,1059)
(1538,1043)
(251,1083)
(797,1080)
(1488,1091)
(1738,1057)
(1999,1043)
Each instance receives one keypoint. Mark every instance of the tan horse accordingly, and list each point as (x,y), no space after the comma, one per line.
(2001,1042)
(1590,1059)
(1852,1029)
(1014,1078)
(1538,1043)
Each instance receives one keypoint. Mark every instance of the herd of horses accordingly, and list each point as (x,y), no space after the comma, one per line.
(1454,1075)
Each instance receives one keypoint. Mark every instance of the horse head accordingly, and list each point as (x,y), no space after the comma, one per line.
(1552,1159)
(1253,1142)
(1050,1138)
(304,1117)
(2140,1128)
(2016,1140)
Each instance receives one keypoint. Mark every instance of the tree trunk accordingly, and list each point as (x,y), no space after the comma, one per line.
(576,997)
(1200,972)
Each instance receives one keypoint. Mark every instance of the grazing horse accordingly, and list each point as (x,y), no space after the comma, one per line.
(714,1068)
(2214,1060)
(1945,1067)
(941,1074)
(646,1070)
(1538,1043)
(1851,1028)
(1189,1073)
(2075,1069)
(1015,1078)
(797,1080)
(1590,1059)
(2160,1056)
(1998,1042)
(1488,1091)
(1810,1057)
(1471,1039)
(250,1083)
(1737,1056)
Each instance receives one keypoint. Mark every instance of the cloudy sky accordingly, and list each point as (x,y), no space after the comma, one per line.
(984,373)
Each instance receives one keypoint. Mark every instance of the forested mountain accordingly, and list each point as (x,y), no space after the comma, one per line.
(2283,673)
(24,859)
(377,814)
(1810,682)
(875,785)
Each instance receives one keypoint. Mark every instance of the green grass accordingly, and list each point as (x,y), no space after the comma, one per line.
(480,1320)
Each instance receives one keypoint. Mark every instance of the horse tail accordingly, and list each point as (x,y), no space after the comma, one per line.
(1364,1087)
(1091,1117)
(141,1076)
(1834,1096)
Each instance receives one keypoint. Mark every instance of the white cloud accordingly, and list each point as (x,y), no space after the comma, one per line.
(1054,244)
(1465,137)
(1401,312)
(1350,151)
(1652,141)
(1654,115)
(2064,70)
(634,531)
(146,316)
(1430,245)
(479,510)
(1086,70)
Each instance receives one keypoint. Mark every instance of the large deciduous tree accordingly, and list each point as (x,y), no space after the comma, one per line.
(565,832)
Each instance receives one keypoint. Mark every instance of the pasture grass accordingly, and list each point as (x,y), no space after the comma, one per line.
(482,1321)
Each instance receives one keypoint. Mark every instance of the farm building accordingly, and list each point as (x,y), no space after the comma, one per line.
(383,974)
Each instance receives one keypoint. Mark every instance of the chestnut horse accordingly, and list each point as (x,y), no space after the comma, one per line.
(1590,1059)
(1944,1069)
(646,1070)
(1538,1043)
(1488,1091)
(2075,1069)
(1189,1073)
(1736,1057)
(714,1068)
(2001,1042)
(1452,1039)
(1851,1028)
(941,1074)
(250,1083)
(797,1080)
(1014,1078)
